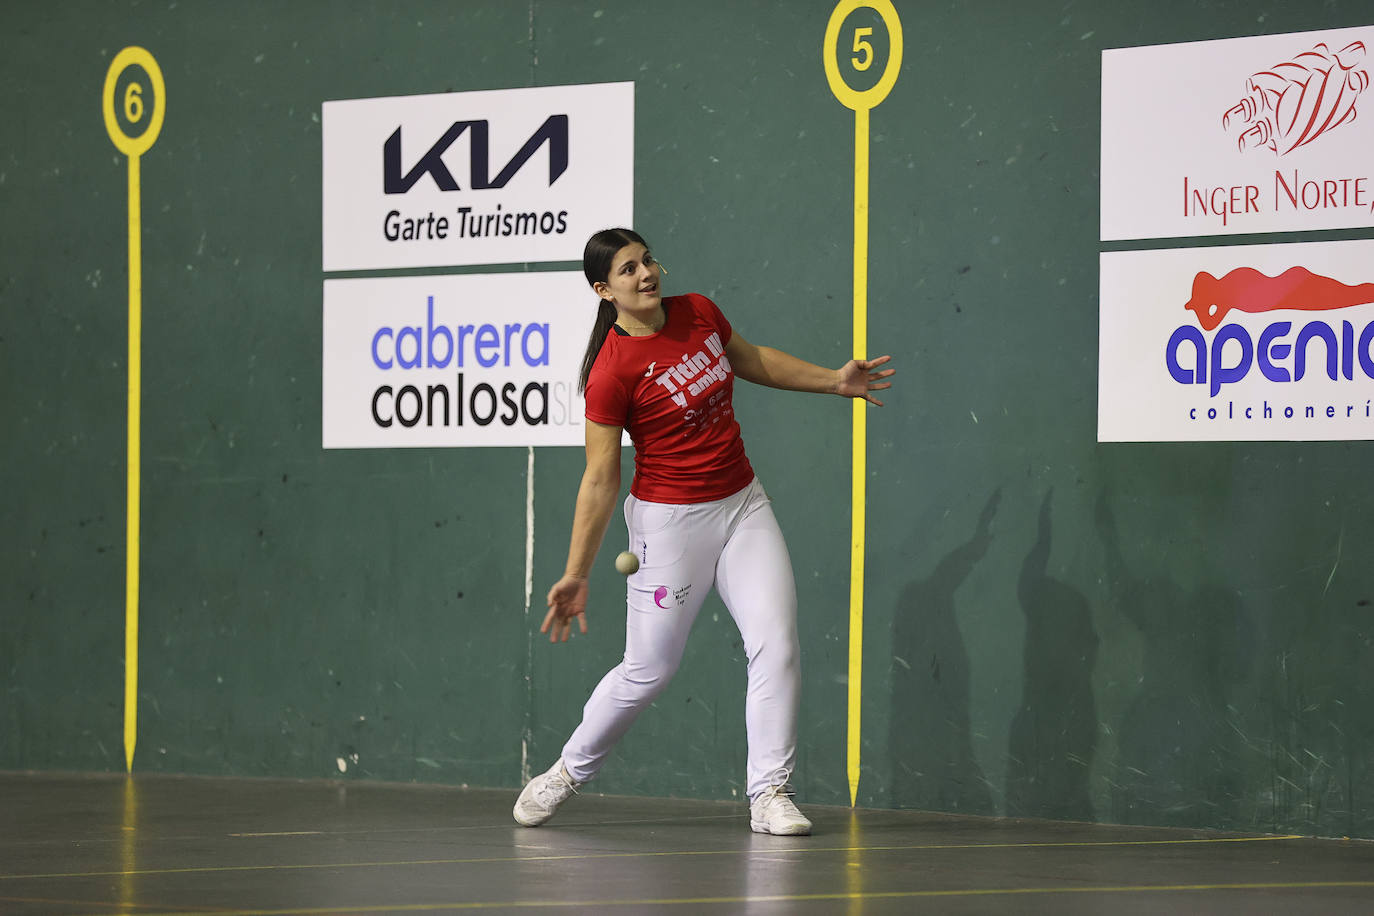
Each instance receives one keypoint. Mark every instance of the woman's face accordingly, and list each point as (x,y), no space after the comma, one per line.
(634,280)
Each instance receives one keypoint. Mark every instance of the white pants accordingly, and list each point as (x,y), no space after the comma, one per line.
(735,544)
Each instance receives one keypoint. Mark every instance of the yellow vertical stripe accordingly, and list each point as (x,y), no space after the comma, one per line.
(857,501)
(131,514)
(140,100)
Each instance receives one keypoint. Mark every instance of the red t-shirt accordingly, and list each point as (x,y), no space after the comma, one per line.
(672,392)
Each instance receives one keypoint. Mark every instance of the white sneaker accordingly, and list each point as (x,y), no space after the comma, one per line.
(543,794)
(773,812)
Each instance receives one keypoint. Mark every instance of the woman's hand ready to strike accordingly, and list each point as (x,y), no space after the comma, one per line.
(567,599)
(854,380)
(596,498)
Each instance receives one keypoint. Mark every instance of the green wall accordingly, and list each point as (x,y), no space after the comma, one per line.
(1163,634)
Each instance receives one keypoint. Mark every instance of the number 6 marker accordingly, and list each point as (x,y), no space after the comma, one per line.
(135,107)
(861,102)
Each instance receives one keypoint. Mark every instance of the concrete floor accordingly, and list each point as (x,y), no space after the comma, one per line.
(160,844)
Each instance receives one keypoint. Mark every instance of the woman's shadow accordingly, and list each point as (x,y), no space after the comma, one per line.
(933,764)
(1054,732)
(1177,750)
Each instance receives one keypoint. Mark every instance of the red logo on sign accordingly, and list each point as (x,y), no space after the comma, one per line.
(1295,102)
(1249,290)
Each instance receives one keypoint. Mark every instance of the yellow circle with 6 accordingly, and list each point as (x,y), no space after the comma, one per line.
(137,104)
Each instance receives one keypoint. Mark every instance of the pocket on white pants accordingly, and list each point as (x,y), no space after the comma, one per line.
(653,536)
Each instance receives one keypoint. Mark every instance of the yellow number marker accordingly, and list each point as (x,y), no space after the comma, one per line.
(135,107)
(861,102)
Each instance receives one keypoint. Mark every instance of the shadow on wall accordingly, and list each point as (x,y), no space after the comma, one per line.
(1053,733)
(1178,753)
(933,765)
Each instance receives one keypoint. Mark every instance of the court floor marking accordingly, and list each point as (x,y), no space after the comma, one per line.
(280,833)
(376,831)
(789,898)
(75,906)
(738,851)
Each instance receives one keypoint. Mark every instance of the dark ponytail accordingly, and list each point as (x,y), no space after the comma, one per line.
(605,317)
(597,258)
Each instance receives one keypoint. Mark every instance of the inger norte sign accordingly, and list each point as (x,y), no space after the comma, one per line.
(1258,342)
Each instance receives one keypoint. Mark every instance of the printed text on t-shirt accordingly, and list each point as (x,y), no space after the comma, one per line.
(696,373)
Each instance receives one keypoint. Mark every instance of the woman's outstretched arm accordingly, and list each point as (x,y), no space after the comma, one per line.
(776,369)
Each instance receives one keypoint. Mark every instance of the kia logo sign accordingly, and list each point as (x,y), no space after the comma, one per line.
(502,176)
(554,132)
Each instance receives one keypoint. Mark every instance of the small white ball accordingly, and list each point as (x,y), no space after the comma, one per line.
(626,563)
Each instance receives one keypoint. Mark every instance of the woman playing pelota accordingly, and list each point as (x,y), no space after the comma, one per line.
(663,369)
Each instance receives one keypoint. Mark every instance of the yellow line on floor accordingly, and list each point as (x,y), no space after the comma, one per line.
(804,898)
(798,846)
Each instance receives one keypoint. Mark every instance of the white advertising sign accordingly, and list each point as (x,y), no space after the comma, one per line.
(1241,343)
(491,177)
(1262,134)
(466,360)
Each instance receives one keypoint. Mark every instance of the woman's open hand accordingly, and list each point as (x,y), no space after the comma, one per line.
(856,378)
(567,599)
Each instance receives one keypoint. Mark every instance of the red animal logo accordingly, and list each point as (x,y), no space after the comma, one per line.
(1295,102)
(1249,290)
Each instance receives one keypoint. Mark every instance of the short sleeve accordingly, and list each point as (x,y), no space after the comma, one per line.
(715,316)
(607,402)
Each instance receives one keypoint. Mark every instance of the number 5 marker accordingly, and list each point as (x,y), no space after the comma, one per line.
(861,102)
(136,110)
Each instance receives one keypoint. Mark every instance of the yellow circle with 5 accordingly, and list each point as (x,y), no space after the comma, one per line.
(863,53)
